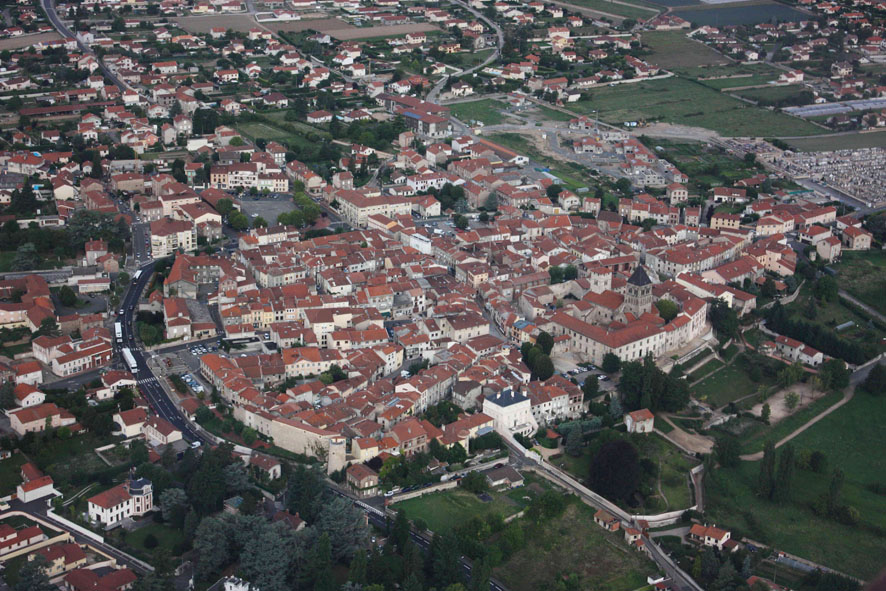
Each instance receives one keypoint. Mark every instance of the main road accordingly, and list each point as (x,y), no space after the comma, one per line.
(64,31)
(148,383)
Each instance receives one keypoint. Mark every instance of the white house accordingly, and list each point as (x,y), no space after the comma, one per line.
(133,498)
(511,412)
(639,421)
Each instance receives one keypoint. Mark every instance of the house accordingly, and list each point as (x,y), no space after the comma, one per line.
(159,431)
(363,480)
(35,485)
(504,477)
(606,520)
(708,535)
(133,498)
(129,422)
(266,465)
(511,413)
(35,419)
(639,421)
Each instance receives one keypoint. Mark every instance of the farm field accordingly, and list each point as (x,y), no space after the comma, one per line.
(771,93)
(737,75)
(680,101)
(572,544)
(352,33)
(624,9)
(673,49)
(839,142)
(846,436)
(12,43)
(863,275)
(740,13)
(487,111)
(204,24)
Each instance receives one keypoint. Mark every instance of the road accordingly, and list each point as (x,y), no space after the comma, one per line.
(148,384)
(64,31)
(39,509)
(682,581)
(435,91)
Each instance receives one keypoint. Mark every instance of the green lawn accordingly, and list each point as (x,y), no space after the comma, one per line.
(168,538)
(770,94)
(573,545)
(451,508)
(579,466)
(487,111)
(755,438)
(732,75)
(705,369)
(726,385)
(673,477)
(662,425)
(636,9)
(681,101)
(547,114)
(863,275)
(848,141)
(848,437)
(859,280)
(572,175)
(673,49)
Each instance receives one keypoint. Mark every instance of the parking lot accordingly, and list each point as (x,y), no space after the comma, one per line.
(186,363)
(268,207)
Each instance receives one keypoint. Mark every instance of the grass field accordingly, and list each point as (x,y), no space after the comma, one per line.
(487,111)
(259,129)
(847,437)
(572,175)
(732,75)
(741,13)
(863,275)
(547,114)
(634,9)
(770,94)
(755,438)
(448,509)
(673,49)
(168,538)
(848,141)
(681,101)
(725,386)
(703,163)
(573,545)
(705,369)
(10,473)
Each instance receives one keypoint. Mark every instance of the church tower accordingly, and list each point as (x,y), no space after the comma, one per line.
(638,295)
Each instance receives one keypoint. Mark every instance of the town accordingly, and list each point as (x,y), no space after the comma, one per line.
(442,295)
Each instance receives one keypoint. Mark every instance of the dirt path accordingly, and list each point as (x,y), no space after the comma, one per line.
(862,305)
(693,443)
(847,396)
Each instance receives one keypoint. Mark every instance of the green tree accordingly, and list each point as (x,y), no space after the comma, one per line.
(259,222)
(590,387)
(224,206)
(461,222)
(724,319)
(834,374)
(791,400)
(727,451)
(766,478)
(826,289)
(545,341)
(7,394)
(611,363)
(667,309)
(32,576)
(543,367)
(67,296)
(574,441)
(875,382)
(212,546)
(765,413)
(474,482)
(174,505)
(783,489)
(615,470)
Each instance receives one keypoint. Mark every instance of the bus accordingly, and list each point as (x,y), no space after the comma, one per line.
(137,275)
(118,330)
(130,360)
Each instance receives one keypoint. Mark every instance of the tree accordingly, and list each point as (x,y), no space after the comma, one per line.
(590,387)
(259,222)
(346,526)
(48,327)
(727,451)
(875,383)
(835,490)
(834,374)
(765,413)
(611,363)
(667,309)
(305,493)
(545,341)
(32,576)
(543,367)
(818,462)
(224,206)
(7,394)
(766,478)
(25,258)
(213,546)
(474,482)
(574,442)
(615,470)
(265,560)
(67,296)
(174,505)
(444,557)
(724,319)
(791,400)
(461,222)
(790,375)
(826,289)
(783,487)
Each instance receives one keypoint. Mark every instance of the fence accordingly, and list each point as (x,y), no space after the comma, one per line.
(423,491)
(77,528)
